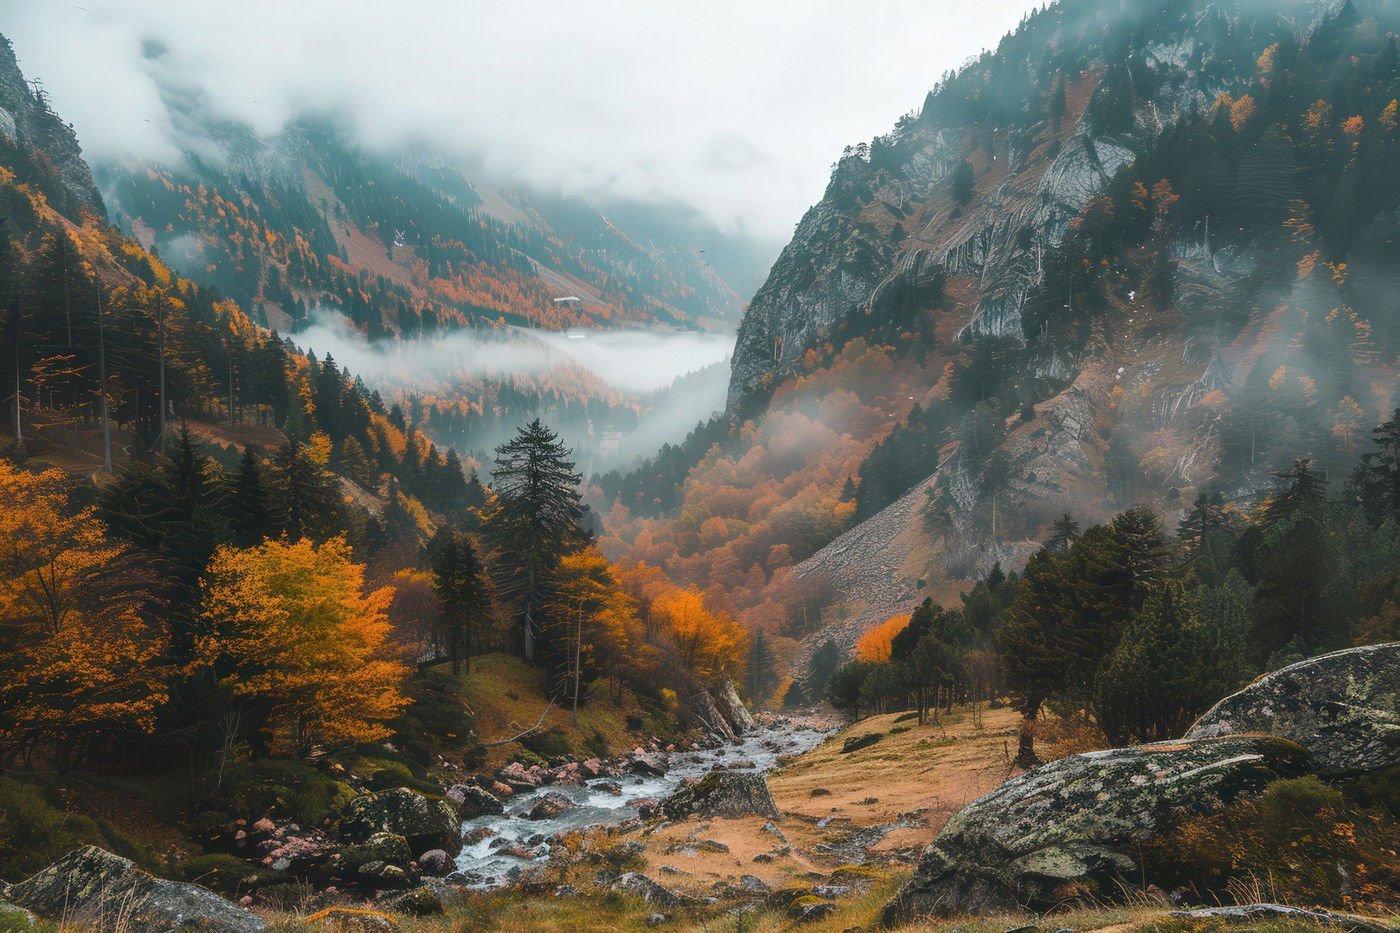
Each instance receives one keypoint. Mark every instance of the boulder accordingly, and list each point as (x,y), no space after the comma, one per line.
(645,763)
(550,806)
(1304,919)
(639,885)
(723,793)
(473,802)
(424,823)
(855,743)
(1081,819)
(435,863)
(711,718)
(1343,707)
(726,699)
(91,883)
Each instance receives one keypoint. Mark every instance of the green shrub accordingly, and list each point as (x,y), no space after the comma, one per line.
(1381,790)
(279,789)
(227,874)
(35,830)
(435,720)
(552,743)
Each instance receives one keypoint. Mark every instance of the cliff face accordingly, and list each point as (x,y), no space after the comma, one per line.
(44,141)
(1118,220)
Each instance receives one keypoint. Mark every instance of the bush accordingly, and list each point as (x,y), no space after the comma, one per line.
(278,789)
(1380,790)
(435,720)
(551,743)
(227,874)
(35,830)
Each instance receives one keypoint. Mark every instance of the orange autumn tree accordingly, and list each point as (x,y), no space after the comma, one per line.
(710,645)
(288,627)
(597,620)
(79,649)
(877,644)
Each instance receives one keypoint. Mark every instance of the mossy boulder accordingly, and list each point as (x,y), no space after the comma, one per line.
(90,883)
(722,793)
(1343,707)
(351,920)
(1079,823)
(425,823)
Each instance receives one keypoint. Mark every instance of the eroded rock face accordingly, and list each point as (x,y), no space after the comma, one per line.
(1344,708)
(732,708)
(424,823)
(723,793)
(91,883)
(1081,819)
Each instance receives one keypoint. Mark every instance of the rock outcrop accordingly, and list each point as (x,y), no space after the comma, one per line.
(726,699)
(91,885)
(424,823)
(723,793)
(1305,919)
(1344,708)
(1081,819)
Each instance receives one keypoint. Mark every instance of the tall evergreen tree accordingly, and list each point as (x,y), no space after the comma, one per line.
(306,499)
(249,507)
(460,580)
(538,520)
(761,672)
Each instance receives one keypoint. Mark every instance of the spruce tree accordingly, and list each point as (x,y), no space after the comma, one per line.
(538,520)
(307,501)
(460,581)
(250,511)
(761,673)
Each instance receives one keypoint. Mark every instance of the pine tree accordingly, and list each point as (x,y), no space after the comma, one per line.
(460,580)
(249,508)
(1063,533)
(307,501)
(537,520)
(760,672)
(820,667)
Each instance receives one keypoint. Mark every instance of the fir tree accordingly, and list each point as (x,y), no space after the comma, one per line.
(307,500)
(761,671)
(250,512)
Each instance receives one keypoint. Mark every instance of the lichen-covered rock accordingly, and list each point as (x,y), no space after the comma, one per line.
(473,802)
(1305,919)
(1343,707)
(351,920)
(91,883)
(424,823)
(1081,819)
(726,698)
(723,793)
(705,709)
(639,885)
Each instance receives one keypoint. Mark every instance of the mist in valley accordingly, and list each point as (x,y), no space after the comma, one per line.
(614,396)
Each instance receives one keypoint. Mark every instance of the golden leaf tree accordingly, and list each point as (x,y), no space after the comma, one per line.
(80,649)
(288,627)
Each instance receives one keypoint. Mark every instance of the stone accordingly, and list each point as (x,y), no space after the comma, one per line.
(711,845)
(567,890)
(473,802)
(1343,707)
(550,806)
(639,885)
(419,902)
(723,793)
(774,831)
(855,743)
(425,823)
(704,708)
(91,883)
(1082,818)
(350,920)
(608,787)
(1308,919)
(726,700)
(811,913)
(655,920)
(480,834)
(436,863)
(645,763)
(754,884)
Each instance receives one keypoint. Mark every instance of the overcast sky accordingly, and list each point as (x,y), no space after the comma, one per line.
(738,107)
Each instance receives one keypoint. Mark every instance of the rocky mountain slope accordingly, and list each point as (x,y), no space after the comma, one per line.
(1164,241)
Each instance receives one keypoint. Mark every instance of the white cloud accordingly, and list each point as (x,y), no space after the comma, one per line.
(735,106)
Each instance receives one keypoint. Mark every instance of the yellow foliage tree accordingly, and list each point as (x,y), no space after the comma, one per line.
(877,644)
(79,649)
(709,644)
(288,626)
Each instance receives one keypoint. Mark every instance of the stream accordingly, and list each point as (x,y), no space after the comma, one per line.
(485,866)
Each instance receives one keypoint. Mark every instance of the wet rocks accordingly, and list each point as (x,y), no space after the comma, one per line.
(435,863)
(726,700)
(608,787)
(1343,707)
(550,806)
(1081,819)
(424,823)
(645,763)
(473,802)
(723,793)
(91,883)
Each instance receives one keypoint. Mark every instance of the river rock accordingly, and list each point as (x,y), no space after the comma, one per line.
(1305,919)
(1343,707)
(424,823)
(477,835)
(726,699)
(707,711)
(639,885)
(723,793)
(473,802)
(549,806)
(91,883)
(435,863)
(645,763)
(608,787)
(1081,818)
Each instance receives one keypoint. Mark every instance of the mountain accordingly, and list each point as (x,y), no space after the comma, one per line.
(1136,254)
(409,240)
